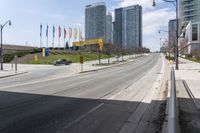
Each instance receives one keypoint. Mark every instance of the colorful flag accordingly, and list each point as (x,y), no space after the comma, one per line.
(59,31)
(40,30)
(80,34)
(75,33)
(53,31)
(65,32)
(47,30)
(70,33)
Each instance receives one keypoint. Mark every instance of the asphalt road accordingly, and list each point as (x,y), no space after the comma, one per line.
(83,103)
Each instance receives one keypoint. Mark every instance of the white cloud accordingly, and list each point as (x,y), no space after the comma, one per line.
(154,20)
(146,4)
(79,24)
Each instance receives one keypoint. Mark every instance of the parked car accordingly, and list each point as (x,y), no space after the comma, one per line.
(62,62)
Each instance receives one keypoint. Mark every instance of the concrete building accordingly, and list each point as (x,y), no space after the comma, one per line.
(118,27)
(172,33)
(128,27)
(191,40)
(109,30)
(189,10)
(189,16)
(95,21)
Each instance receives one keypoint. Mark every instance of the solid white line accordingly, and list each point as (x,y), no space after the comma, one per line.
(83,116)
(34,82)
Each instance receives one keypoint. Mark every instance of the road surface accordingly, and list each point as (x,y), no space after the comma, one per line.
(115,100)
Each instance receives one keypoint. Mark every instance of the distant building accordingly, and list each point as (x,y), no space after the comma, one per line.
(118,27)
(172,33)
(128,27)
(109,30)
(95,21)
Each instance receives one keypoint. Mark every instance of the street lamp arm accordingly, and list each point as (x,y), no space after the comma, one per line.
(169,0)
(162,31)
(174,2)
(6,23)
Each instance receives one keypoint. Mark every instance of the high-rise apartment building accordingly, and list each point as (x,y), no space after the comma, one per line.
(189,10)
(189,24)
(128,27)
(109,31)
(95,21)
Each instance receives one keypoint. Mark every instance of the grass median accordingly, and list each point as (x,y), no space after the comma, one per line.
(74,57)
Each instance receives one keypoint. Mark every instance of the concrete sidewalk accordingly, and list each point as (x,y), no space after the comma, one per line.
(188,96)
(189,73)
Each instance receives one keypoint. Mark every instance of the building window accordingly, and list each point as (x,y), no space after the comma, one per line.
(195,32)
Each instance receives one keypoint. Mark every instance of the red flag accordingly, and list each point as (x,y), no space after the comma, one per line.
(59,31)
(65,33)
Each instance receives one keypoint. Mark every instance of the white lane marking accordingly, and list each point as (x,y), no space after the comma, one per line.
(83,116)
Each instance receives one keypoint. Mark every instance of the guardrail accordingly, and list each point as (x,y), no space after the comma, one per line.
(172,110)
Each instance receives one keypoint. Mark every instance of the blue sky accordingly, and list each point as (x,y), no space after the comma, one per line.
(26,16)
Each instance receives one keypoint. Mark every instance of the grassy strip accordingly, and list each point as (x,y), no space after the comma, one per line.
(192,59)
(70,57)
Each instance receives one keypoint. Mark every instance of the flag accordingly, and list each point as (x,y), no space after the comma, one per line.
(53,31)
(59,31)
(80,34)
(70,33)
(75,33)
(65,32)
(40,30)
(47,30)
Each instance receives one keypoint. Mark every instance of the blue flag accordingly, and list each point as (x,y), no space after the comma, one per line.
(40,30)
(47,30)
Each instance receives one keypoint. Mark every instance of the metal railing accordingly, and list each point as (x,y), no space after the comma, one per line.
(172,110)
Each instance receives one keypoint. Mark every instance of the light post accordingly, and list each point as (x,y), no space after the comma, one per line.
(1,50)
(162,31)
(175,3)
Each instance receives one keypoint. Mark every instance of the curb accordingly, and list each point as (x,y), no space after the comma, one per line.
(126,62)
(12,75)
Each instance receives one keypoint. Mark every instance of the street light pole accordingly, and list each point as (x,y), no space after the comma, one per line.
(1,51)
(175,3)
(177,36)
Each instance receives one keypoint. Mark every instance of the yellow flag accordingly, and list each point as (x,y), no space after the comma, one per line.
(70,33)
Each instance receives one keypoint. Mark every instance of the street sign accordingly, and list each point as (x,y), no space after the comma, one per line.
(81,59)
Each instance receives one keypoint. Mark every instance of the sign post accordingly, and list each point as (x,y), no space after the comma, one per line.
(81,62)
(15,58)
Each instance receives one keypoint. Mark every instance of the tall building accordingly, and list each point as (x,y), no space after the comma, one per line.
(95,21)
(118,27)
(189,10)
(172,33)
(189,16)
(109,28)
(128,26)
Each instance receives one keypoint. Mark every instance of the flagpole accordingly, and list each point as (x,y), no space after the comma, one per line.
(40,35)
(53,37)
(64,39)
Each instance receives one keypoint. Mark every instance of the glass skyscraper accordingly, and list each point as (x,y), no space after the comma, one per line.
(95,21)
(109,28)
(128,27)
(189,10)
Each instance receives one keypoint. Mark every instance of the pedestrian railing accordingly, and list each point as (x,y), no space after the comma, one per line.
(172,110)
